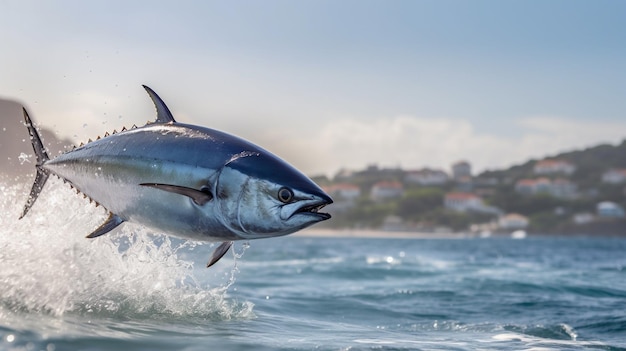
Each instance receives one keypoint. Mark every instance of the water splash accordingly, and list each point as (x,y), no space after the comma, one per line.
(233,272)
(23,158)
(50,268)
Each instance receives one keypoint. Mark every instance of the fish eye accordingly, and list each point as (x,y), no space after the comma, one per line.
(285,195)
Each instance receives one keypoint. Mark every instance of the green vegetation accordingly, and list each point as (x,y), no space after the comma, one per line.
(422,208)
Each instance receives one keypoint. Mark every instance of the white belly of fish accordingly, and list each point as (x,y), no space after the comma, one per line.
(115,184)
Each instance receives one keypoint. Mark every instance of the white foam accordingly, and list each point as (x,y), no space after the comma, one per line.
(536,343)
(48,266)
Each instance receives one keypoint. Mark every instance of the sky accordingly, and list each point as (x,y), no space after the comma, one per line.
(328,85)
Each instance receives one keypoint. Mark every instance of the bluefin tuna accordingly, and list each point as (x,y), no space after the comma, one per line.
(186,181)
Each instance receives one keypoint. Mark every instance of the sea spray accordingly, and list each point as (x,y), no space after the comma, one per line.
(50,268)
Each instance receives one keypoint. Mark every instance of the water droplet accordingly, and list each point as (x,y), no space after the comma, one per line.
(85,125)
(10,338)
(23,158)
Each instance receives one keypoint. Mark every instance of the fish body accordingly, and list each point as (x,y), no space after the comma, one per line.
(187,181)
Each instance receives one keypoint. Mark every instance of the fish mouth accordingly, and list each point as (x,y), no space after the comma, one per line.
(314,210)
(310,208)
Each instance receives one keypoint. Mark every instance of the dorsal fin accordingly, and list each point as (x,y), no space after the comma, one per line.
(163,113)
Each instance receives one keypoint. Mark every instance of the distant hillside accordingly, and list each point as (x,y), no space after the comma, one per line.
(558,194)
(550,214)
(590,163)
(15,141)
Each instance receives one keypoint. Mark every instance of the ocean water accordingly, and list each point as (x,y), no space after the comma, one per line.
(135,290)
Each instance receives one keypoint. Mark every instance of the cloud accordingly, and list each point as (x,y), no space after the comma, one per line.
(557,132)
(415,142)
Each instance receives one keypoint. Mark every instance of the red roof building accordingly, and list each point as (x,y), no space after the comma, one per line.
(462,202)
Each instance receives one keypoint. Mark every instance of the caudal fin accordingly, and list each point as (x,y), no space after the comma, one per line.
(42,157)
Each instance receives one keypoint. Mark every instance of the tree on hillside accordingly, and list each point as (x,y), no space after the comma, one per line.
(418,201)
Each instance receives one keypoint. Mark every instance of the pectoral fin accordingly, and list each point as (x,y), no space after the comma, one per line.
(219,252)
(200,197)
(111,223)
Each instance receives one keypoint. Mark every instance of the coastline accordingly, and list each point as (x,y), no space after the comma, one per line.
(378,234)
(381,234)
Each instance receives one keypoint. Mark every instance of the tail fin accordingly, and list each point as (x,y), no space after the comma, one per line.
(42,157)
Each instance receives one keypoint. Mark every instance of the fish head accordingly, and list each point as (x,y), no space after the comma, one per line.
(259,195)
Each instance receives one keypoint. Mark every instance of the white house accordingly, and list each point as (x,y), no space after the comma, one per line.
(563,188)
(583,218)
(344,195)
(513,221)
(461,169)
(614,176)
(386,190)
(427,177)
(554,167)
(345,191)
(608,209)
(532,186)
(462,202)
(560,187)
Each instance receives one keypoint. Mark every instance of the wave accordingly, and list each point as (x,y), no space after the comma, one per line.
(50,268)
